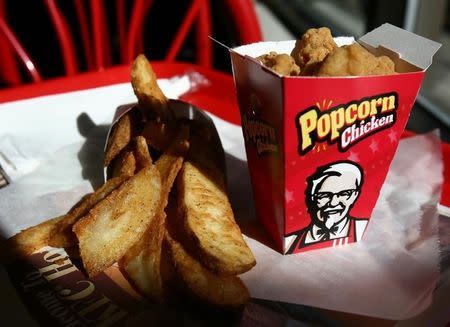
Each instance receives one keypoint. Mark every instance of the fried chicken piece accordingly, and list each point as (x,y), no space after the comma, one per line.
(281,63)
(314,46)
(355,60)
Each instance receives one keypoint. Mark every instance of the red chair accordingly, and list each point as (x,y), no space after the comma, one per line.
(95,39)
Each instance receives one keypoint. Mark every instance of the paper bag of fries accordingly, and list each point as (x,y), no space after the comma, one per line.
(161,226)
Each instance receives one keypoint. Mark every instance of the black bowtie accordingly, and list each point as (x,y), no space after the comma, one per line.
(326,232)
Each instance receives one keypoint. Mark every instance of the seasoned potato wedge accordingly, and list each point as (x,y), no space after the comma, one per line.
(209,222)
(142,263)
(143,158)
(208,219)
(115,224)
(119,138)
(159,134)
(62,235)
(124,165)
(152,101)
(219,290)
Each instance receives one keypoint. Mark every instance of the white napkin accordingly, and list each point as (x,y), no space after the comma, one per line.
(391,274)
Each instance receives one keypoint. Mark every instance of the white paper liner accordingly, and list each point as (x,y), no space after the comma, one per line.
(391,274)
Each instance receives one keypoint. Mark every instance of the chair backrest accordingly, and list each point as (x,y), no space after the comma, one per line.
(95,41)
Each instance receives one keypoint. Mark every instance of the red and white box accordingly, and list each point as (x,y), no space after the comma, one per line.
(319,148)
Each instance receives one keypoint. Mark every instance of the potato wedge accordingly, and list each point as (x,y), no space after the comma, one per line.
(62,235)
(159,134)
(119,138)
(219,290)
(143,158)
(124,164)
(57,232)
(115,224)
(152,101)
(29,240)
(209,222)
(142,263)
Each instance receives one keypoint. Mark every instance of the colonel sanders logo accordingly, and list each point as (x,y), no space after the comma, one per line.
(330,195)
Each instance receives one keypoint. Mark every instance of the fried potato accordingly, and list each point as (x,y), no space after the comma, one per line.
(29,240)
(152,101)
(209,222)
(208,217)
(115,224)
(143,157)
(223,291)
(170,162)
(119,138)
(159,134)
(142,263)
(62,235)
(124,165)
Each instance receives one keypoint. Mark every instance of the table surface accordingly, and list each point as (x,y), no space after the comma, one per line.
(218,97)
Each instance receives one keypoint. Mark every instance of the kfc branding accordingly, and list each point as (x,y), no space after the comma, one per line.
(346,124)
(330,195)
(257,131)
(261,134)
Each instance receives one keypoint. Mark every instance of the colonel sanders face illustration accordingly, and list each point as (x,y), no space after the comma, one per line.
(332,190)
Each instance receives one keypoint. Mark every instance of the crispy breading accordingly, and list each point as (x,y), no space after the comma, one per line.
(152,101)
(355,60)
(142,263)
(142,153)
(115,224)
(219,290)
(28,241)
(62,235)
(119,138)
(282,63)
(124,165)
(312,48)
(208,217)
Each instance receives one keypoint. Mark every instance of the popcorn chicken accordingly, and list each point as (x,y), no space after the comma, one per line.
(314,46)
(355,60)
(282,63)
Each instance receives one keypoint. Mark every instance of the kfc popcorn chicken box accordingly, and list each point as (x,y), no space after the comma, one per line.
(319,147)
